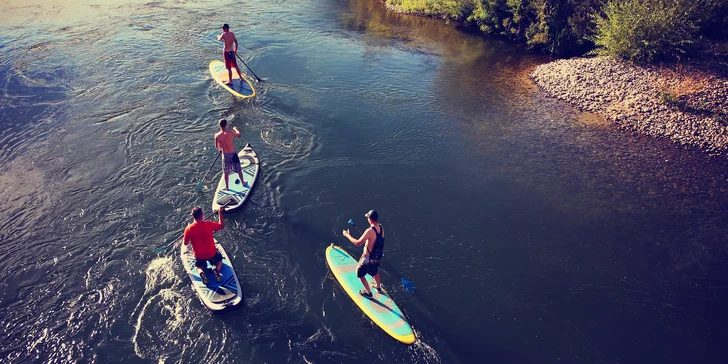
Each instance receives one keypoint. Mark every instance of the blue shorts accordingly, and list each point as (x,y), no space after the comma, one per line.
(202,263)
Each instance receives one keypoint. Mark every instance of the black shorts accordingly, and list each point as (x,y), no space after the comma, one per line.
(202,263)
(370,269)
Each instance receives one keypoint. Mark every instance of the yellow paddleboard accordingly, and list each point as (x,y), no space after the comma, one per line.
(380,307)
(240,88)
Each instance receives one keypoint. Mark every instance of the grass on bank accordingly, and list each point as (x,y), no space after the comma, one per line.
(675,84)
(420,7)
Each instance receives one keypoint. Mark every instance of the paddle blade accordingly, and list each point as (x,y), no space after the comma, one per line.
(351,222)
(407,284)
(160,250)
(198,187)
(163,249)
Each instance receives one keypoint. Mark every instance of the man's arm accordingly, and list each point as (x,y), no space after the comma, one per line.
(221,218)
(185,238)
(358,242)
(237,132)
(219,37)
(235,40)
(217,144)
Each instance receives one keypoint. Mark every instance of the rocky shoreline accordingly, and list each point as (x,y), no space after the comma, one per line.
(688,105)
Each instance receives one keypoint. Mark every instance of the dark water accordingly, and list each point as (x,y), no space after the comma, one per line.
(534,233)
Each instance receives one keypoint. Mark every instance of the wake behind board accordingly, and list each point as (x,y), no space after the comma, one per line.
(380,307)
(215,296)
(237,194)
(240,89)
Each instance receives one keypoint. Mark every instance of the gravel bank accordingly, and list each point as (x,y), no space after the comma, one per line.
(690,107)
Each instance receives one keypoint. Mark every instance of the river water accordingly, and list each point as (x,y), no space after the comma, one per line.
(532,232)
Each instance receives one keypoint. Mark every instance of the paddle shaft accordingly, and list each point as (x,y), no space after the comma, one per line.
(251,71)
(212,165)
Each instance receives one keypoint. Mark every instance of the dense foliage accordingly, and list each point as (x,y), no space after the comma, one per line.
(639,30)
(650,30)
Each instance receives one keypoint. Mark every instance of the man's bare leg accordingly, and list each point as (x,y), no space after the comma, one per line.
(230,75)
(226,180)
(203,276)
(217,271)
(241,178)
(366,284)
(379,283)
(239,74)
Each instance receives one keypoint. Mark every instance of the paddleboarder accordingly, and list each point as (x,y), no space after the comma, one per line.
(229,52)
(199,234)
(373,241)
(230,160)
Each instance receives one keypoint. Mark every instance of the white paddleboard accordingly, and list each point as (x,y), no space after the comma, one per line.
(237,193)
(215,295)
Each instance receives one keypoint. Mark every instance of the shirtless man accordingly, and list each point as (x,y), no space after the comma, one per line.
(373,241)
(230,160)
(229,52)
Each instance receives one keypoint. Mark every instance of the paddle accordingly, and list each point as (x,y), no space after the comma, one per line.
(407,284)
(163,249)
(198,187)
(251,71)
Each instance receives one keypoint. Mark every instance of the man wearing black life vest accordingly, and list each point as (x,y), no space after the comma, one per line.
(373,241)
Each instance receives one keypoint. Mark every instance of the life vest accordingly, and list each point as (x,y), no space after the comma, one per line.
(378,250)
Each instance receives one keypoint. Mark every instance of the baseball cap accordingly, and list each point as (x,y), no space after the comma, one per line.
(372,215)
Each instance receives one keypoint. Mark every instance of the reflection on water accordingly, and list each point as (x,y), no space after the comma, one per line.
(534,233)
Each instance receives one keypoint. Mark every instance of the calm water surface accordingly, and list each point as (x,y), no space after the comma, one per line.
(533,233)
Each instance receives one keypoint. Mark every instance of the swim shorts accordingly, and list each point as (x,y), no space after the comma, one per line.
(231,163)
(202,263)
(230,60)
(364,269)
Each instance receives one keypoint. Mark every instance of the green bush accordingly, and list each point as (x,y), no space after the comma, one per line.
(638,30)
(648,30)
(488,15)
(562,27)
(712,18)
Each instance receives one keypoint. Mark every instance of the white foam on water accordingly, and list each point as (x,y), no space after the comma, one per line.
(422,351)
(160,323)
(43,336)
(159,272)
(161,313)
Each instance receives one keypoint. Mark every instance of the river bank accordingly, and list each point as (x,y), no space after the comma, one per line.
(683,103)
(686,105)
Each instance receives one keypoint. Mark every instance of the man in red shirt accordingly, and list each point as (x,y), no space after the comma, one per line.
(199,234)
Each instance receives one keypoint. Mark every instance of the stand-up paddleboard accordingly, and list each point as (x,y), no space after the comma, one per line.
(240,89)
(215,295)
(380,307)
(236,195)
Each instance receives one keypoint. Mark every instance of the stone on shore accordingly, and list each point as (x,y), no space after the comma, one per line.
(688,107)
